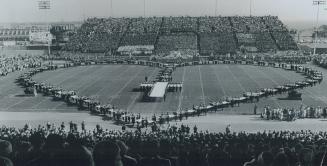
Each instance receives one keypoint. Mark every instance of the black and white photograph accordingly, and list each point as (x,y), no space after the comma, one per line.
(163,83)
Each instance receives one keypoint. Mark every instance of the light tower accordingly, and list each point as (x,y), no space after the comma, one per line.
(251,8)
(111,11)
(216,8)
(144,8)
(45,5)
(317,3)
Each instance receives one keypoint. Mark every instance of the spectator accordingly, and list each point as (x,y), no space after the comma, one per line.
(5,152)
(107,153)
(126,159)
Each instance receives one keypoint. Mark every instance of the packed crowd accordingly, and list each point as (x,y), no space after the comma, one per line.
(98,35)
(291,114)
(288,57)
(10,64)
(214,25)
(249,24)
(184,24)
(320,60)
(217,43)
(182,42)
(284,40)
(107,35)
(142,31)
(174,146)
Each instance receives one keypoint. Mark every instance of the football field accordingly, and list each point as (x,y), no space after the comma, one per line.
(202,84)
(114,84)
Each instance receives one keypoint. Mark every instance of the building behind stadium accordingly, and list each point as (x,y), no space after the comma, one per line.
(31,35)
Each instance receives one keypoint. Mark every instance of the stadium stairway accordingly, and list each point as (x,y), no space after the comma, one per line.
(198,35)
(159,33)
(124,34)
(234,33)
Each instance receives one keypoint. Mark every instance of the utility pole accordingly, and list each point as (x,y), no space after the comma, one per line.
(216,8)
(111,11)
(317,3)
(144,8)
(45,5)
(250,8)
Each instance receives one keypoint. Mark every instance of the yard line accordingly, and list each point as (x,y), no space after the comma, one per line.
(201,82)
(220,85)
(137,94)
(132,103)
(125,85)
(100,90)
(17,103)
(45,98)
(85,70)
(262,73)
(182,92)
(87,84)
(39,109)
(309,93)
(249,75)
(61,75)
(238,81)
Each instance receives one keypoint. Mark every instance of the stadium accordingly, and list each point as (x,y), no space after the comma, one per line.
(163,90)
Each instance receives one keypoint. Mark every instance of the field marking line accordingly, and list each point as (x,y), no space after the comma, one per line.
(262,73)
(68,78)
(59,75)
(182,92)
(220,84)
(125,85)
(238,81)
(201,83)
(39,109)
(91,82)
(88,84)
(256,82)
(63,80)
(83,71)
(310,94)
(137,94)
(120,74)
(17,103)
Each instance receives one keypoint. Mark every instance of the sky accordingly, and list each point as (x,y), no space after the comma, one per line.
(77,10)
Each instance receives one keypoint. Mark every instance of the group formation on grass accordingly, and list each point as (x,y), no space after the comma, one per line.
(321,60)
(132,120)
(291,114)
(10,64)
(174,146)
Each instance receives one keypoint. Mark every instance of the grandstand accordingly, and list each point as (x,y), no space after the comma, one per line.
(188,35)
(185,43)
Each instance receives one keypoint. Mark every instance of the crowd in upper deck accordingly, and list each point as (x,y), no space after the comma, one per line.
(217,35)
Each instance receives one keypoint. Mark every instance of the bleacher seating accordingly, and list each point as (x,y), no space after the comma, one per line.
(186,43)
(217,43)
(142,31)
(184,24)
(206,35)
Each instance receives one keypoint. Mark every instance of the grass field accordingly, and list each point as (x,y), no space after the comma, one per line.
(202,84)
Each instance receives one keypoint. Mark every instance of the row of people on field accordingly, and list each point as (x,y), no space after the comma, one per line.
(291,114)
